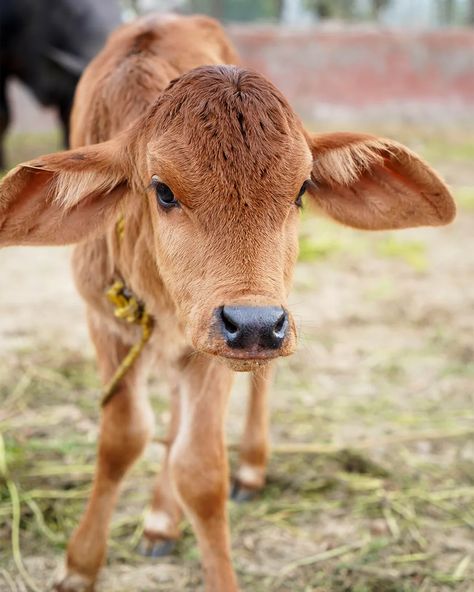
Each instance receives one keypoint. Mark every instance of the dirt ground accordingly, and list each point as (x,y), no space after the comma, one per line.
(371,483)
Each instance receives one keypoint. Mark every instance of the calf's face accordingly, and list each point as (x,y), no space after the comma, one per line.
(227,163)
(221,163)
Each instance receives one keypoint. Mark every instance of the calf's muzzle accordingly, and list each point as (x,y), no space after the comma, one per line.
(253,329)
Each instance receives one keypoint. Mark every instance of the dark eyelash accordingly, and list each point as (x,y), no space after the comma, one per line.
(299,199)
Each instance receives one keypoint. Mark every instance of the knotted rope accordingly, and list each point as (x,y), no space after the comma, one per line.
(130,309)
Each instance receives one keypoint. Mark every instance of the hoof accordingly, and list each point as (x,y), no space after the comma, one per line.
(74,583)
(242,494)
(156,548)
(159,535)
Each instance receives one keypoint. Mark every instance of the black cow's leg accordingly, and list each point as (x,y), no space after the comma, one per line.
(4,119)
(64,116)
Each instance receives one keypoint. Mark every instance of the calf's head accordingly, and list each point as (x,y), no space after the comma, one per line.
(221,163)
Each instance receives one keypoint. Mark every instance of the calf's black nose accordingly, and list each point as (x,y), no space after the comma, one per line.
(253,327)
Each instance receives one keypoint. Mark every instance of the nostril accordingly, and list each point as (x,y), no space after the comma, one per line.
(230,327)
(279,324)
(279,329)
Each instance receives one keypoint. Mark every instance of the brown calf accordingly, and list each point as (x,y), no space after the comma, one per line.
(207,165)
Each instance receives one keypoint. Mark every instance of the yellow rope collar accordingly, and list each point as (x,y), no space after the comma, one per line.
(130,309)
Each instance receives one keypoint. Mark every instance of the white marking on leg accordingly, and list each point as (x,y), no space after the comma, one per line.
(158,522)
(74,582)
(251,475)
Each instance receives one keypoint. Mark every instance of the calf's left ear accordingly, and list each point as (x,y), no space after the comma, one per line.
(62,198)
(373,183)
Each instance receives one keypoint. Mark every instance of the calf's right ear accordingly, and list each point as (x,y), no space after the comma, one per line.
(63,198)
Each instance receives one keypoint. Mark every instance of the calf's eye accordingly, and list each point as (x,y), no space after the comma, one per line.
(302,191)
(164,196)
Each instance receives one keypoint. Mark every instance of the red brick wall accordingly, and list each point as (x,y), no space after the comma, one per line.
(365,72)
(346,73)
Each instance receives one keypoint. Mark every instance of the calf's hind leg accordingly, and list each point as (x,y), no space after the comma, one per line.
(161,525)
(4,118)
(254,447)
(126,426)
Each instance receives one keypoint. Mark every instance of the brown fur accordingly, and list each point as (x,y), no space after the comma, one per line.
(158,102)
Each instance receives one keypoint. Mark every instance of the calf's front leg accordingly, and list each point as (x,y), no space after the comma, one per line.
(126,426)
(199,466)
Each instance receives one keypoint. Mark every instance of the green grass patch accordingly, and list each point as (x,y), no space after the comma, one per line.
(21,147)
(314,248)
(410,251)
(464,197)
(448,148)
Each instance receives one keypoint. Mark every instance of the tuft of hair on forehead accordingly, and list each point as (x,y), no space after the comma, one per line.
(227,111)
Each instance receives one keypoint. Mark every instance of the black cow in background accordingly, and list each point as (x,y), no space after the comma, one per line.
(47,44)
